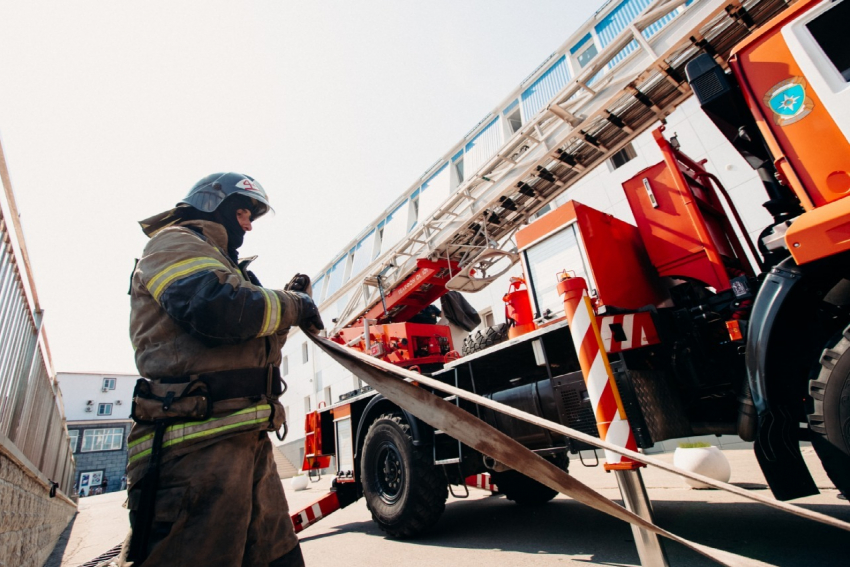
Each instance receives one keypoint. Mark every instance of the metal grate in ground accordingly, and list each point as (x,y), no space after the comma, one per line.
(111,554)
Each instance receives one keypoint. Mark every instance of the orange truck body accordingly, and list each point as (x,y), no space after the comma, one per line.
(811,153)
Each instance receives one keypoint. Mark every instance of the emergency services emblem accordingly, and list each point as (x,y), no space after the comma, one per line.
(249,185)
(788,101)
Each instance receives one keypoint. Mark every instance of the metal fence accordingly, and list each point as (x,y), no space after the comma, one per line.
(32,420)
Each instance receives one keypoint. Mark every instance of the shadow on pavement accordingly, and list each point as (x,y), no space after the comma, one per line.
(55,558)
(565,527)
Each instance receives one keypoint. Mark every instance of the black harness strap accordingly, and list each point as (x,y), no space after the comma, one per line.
(143,524)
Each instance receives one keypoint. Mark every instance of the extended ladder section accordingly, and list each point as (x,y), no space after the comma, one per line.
(635,81)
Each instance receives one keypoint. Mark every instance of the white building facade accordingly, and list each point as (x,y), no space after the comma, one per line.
(97,409)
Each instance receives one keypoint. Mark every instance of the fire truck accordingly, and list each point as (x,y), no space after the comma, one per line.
(706,330)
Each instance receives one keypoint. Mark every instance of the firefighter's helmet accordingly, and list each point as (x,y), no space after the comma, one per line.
(208,194)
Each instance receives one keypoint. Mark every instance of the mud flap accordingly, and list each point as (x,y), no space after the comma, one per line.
(777,449)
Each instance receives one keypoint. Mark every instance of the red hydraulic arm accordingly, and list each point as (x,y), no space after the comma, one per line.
(425,286)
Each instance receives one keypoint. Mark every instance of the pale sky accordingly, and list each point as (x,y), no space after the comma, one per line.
(111,111)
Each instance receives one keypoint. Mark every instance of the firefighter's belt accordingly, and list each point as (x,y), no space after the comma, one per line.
(396,385)
(193,397)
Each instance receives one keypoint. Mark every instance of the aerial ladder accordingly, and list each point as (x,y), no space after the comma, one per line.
(466,243)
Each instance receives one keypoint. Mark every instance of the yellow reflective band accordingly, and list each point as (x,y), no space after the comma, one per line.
(204,433)
(160,281)
(179,426)
(271,317)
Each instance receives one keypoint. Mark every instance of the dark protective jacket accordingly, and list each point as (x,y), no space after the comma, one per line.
(194,311)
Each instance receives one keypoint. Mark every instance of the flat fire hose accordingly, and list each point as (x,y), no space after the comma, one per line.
(394,383)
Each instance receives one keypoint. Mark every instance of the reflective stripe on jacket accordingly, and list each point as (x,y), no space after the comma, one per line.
(237,422)
(194,311)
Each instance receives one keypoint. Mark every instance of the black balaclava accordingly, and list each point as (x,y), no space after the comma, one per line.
(225,215)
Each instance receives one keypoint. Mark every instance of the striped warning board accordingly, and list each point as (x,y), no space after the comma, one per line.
(326,505)
(481,481)
(628,331)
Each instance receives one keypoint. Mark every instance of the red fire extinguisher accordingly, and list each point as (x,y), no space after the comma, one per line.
(518,311)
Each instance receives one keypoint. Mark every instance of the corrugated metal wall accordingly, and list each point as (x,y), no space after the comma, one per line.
(545,88)
(482,147)
(619,19)
(434,192)
(31,415)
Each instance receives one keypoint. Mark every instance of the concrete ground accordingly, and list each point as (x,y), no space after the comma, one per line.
(488,530)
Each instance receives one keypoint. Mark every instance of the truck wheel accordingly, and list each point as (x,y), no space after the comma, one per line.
(523,490)
(830,418)
(484,339)
(405,493)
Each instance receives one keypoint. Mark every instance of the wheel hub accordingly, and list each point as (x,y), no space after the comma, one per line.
(389,473)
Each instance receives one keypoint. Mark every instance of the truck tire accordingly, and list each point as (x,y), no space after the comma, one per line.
(404,491)
(523,490)
(485,338)
(830,417)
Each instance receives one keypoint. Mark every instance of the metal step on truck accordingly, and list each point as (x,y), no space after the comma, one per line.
(677,325)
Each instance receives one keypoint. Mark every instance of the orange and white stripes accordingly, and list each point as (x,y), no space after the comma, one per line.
(604,396)
(635,330)
(481,481)
(316,511)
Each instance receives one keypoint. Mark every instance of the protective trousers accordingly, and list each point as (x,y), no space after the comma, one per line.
(220,505)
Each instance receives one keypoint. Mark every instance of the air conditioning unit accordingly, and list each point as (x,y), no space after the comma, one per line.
(117,402)
(88,409)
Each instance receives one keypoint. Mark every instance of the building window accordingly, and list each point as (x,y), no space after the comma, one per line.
(305,352)
(622,157)
(285,365)
(487,318)
(104,409)
(102,439)
(514,120)
(585,56)
(584,50)
(543,210)
(308,404)
(413,213)
(459,170)
(108,384)
(328,397)
(74,435)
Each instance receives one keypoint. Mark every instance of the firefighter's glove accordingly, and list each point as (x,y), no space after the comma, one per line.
(310,320)
(300,282)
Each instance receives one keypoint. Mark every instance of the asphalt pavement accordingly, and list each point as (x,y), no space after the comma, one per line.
(490,530)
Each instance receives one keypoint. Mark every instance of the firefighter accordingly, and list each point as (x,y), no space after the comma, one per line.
(203,486)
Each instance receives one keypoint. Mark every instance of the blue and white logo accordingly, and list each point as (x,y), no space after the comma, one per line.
(788,101)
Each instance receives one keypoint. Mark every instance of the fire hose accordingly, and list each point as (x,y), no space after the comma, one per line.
(400,387)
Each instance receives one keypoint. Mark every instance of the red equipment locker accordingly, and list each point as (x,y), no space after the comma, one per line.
(682,222)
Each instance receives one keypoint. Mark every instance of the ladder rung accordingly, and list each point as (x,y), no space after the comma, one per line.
(448,461)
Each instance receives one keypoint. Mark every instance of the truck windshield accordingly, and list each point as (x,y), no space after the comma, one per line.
(829,31)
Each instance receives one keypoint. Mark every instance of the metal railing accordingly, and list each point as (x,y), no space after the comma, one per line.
(32,420)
